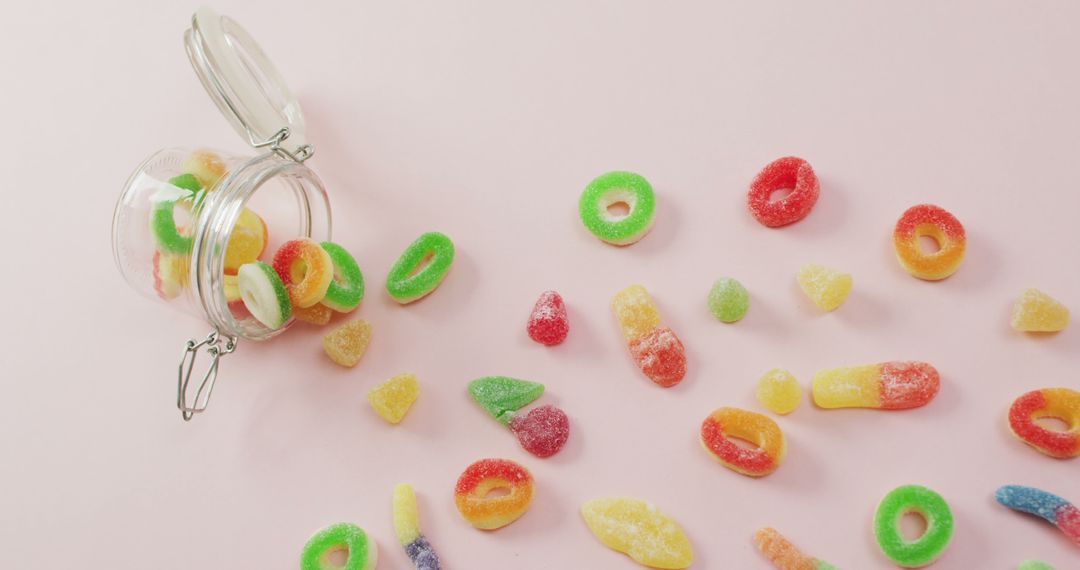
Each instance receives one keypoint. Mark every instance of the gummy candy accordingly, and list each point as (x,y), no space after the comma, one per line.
(167,235)
(618,188)
(247,241)
(407,527)
(661,356)
(346,289)
(264,294)
(230,285)
(1052,508)
(827,288)
(887,386)
(787,172)
(317,314)
(1036,311)
(548,323)
(362,552)
(726,423)
(1060,403)
(421,268)
(489,512)
(931,507)
(306,269)
(728,300)
(170,274)
(500,396)
(639,530)
(1034,565)
(206,167)
(346,344)
(783,554)
(543,431)
(393,398)
(779,392)
(943,227)
(656,350)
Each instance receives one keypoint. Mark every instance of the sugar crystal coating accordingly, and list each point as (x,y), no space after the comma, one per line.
(1051,508)
(489,512)
(939,526)
(346,344)
(168,237)
(827,288)
(661,356)
(887,386)
(170,273)
(421,268)
(393,398)
(728,300)
(317,314)
(502,395)
(783,554)
(932,221)
(264,294)
(246,242)
(636,312)
(724,424)
(543,431)
(206,167)
(306,269)
(779,392)
(639,530)
(362,552)
(1035,311)
(548,323)
(1060,403)
(407,527)
(614,188)
(787,172)
(346,288)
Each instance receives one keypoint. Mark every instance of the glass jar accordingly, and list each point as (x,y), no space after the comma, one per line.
(186,217)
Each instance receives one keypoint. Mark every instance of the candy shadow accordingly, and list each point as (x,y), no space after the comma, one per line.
(981,264)
(760,319)
(801,470)
(665,228)
(828,214)
(583,340)
(863,310)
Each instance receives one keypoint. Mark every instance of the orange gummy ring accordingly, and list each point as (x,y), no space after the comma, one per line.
(726,423)
(935,222)
(484,476)
(306,269)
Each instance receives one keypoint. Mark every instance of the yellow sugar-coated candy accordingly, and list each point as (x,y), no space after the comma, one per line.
(779,392)
(345,345)
(1036,311)
(206,166)
(317,314)
(827,288)
(637,529)
(247,242)
(393,398)
(635,311)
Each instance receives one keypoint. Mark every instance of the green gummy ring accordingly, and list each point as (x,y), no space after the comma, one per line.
(163,224)
(939,526)
(612,188)
(347,288)
(404,287)
(363,553)
(264,294)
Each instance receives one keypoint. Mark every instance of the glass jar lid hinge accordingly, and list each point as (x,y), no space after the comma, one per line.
(301,153)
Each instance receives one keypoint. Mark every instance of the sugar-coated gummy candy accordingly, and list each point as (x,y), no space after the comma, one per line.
(636,312)
(1060,403)
(246,242)
(618,188)
(639,530)
(362,553)
(548,323)
(1051,508)
(230,286)
(1034,565)
(500,396)
(827,288)
(724,424)
(346,344)
(264,294)
(783,554)
(943,227)
(167,236)
(306,269)
(931,507)
(886,386)
(170,273)
(317,314)
(779,392)
(421,268)
(206,167)
(1036,311)
(346,288)
(543,431)
(407,528)
(783,173)
(393,398)
(661,356)
(728,300)
(488,511)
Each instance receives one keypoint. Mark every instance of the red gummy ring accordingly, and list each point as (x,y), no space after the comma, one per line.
(1061,403)
(787,172)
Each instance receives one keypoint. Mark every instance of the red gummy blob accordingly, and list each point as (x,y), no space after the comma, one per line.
(548,324)
(543,431)
(787,172)
(661,356)
(907,385)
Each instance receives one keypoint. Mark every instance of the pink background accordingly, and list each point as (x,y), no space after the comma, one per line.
(485,120)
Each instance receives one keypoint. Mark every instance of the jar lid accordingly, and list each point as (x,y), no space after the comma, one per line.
(244,84)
